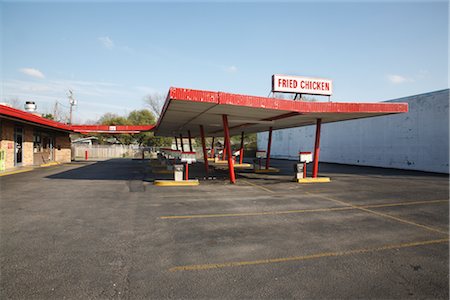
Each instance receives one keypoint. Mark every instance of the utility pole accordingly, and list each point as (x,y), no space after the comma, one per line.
(72,103)
(55,111)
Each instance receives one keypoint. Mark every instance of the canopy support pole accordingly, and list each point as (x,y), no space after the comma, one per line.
(269,144)
(205,153)
(228,147)
(241,150)
(317,149)
(176,142)
(212,148)
(181,142)
(190,141)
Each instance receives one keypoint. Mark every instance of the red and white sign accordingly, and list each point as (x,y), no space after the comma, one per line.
(305,157)
(302,85)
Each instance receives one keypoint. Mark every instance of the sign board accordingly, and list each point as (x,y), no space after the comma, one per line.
(261,154)
(112,128)
(305,157)
(188,157)
(302,85)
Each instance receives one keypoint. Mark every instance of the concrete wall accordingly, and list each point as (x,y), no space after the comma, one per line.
(417,140)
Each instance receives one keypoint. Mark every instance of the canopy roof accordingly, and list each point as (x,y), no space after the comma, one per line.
(113,129)
(186,109)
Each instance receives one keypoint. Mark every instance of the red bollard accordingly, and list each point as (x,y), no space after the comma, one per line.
(86,155)
(187,172)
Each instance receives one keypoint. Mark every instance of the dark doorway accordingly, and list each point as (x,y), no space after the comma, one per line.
(18,146)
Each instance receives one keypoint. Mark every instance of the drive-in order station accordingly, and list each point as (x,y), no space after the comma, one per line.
(195,113)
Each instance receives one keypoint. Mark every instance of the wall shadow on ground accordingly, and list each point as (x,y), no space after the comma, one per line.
(112,169)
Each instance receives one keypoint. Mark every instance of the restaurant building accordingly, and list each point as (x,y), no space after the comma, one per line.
(27,139)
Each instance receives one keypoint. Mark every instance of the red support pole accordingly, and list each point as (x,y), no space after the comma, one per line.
(176,142)
(86,155)
(212,148)
(181,142)
(186,177)
(205,153)
(317,149)
(190,142)
(228,147)
(269,144)
(241,150)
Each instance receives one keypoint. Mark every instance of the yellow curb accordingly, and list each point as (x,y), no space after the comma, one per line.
(162,171)
(211,159)
(221,162)
(244,166)
(236,166)
(269,170)
(6,173)
(53,163)
(191,182)
(314,180)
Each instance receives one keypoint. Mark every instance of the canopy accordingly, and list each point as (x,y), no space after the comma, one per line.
(186,109)
(114,129)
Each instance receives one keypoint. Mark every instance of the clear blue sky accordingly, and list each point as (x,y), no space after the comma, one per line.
(113,54)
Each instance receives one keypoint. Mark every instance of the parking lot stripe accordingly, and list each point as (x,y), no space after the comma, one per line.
(257,185)
(264,213)
(304,257)
(407,203)
(381,214)
(296,211)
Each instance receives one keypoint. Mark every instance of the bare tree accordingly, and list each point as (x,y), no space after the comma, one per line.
(155,102)
(15,102)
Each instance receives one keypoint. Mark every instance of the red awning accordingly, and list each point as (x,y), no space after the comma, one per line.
(115,129)
(29,118)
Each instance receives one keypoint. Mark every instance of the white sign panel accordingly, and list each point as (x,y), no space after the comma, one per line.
(305,157)
(302,85)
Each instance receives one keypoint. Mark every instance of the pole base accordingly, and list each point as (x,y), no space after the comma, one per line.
(236,166)
(221,162)
(191,182)
(313,180)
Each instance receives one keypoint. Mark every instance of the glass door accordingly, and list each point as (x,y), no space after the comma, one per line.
(18,146)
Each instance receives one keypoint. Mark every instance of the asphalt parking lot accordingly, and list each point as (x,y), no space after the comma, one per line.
(102,230)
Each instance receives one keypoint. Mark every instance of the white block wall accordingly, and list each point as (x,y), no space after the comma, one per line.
(417,140)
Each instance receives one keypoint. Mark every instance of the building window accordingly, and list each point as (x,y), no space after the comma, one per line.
(37,142)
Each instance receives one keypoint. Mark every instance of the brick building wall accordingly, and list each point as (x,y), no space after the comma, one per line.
(63,150)
(27,146)
(62,147)
(7,142)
